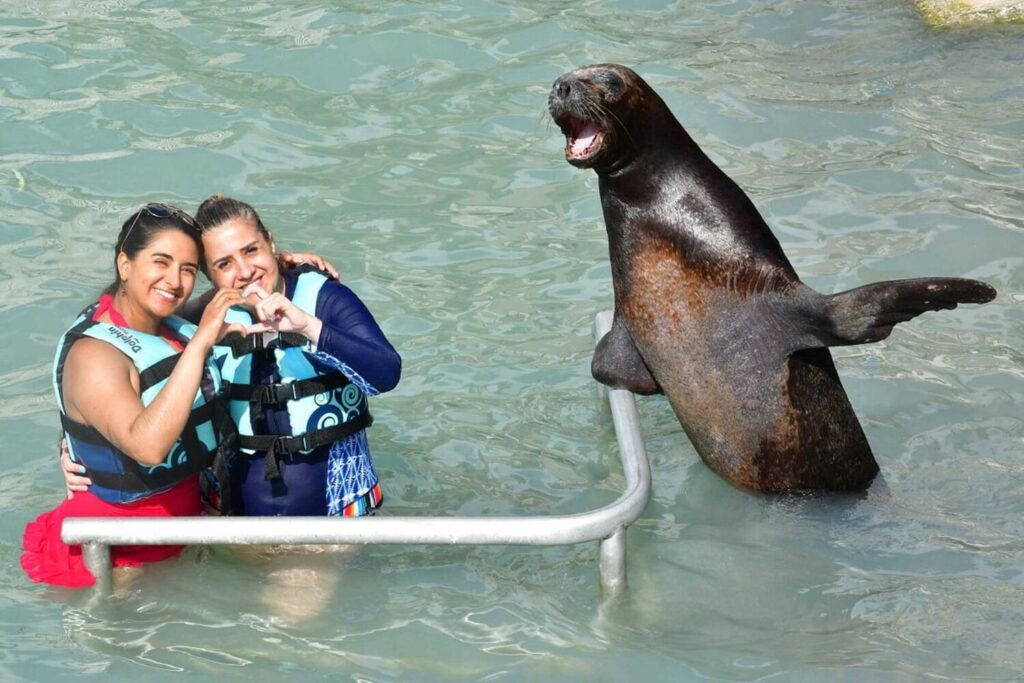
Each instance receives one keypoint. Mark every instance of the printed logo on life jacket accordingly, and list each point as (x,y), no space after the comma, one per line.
(127,338)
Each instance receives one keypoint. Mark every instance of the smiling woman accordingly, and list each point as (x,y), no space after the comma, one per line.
(299,400)
(136,395)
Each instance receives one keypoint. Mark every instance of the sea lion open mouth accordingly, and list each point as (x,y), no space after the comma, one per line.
(582,138)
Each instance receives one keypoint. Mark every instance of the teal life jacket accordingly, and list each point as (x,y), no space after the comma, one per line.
(323,405)
(116,477)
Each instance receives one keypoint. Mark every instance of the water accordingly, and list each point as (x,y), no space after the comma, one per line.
(407,144)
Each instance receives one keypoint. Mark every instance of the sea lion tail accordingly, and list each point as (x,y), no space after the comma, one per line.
(868,313)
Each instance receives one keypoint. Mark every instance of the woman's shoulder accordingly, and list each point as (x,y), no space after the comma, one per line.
(315,282)
(92,365)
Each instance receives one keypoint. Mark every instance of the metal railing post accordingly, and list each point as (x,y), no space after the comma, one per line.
(97,559)
(612,562)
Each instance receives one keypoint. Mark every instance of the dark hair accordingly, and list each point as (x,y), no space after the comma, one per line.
(143,226)
(217,209)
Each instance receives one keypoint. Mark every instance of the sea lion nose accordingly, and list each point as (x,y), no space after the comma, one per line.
(562,88)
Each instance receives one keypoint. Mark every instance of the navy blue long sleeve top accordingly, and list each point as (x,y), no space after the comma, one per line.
(350,335)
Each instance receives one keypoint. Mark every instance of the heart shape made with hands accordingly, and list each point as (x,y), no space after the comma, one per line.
(274,312)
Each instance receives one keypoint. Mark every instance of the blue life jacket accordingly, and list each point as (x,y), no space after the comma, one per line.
(116,477)
(323,406)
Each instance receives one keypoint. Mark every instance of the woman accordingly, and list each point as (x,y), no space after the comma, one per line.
(297,394)
(297,385)
(137,404)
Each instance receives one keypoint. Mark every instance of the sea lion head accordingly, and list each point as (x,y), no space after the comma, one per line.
(596,106)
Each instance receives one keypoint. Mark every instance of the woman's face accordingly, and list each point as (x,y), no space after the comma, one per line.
(237,255)
(161,276)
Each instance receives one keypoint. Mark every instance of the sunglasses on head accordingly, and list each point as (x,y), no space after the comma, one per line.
(157,210)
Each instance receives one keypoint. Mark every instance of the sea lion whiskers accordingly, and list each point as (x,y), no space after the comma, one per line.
(606,111)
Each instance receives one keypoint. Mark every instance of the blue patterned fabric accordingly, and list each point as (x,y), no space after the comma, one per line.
(350,473)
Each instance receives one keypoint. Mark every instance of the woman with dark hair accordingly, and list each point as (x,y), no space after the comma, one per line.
(136,392)
(297,384)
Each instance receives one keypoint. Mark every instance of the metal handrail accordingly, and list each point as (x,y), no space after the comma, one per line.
(607,524)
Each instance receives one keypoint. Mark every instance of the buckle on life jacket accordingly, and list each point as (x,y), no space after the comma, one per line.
(273,447)
(259,341)
(276,393)
(279,447)
(267,338)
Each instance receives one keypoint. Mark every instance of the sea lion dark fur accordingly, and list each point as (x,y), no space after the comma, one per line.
(708,308)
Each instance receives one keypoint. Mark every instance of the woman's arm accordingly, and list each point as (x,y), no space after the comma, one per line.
(101,389)
(351,334)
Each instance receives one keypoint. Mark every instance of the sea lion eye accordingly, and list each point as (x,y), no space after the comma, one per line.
(612,84)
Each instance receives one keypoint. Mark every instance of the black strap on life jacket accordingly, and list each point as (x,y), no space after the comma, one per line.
(219,469)
(157,372)
(282,392)
(71,336)
(250,343)
(274,447)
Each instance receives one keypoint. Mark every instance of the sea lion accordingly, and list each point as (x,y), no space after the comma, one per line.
(708,308)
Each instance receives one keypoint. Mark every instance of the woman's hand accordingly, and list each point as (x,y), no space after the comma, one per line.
(298,258)
(74,474)
(276,312)
(212,326)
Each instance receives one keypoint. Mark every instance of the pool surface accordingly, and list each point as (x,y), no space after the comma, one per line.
(408,144)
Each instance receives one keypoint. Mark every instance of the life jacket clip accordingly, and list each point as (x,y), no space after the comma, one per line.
(267,338)
(277,393)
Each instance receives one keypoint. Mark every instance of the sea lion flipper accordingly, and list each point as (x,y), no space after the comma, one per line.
(618,363)
(868,313)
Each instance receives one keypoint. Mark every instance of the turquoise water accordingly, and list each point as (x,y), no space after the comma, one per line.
(407,143)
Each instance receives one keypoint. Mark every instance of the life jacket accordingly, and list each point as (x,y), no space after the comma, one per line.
(323,406)
(116,477)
